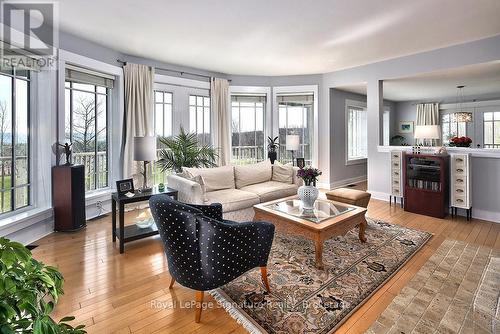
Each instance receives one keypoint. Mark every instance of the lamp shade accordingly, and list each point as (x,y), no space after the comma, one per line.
(427,132)
(292,142)
(145,148)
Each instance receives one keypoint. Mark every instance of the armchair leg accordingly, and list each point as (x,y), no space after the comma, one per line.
(263,272)
(199,305)
(172,281)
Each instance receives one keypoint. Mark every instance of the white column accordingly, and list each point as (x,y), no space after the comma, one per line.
(378,163)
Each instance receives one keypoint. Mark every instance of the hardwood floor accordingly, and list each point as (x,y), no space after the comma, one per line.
(109,292)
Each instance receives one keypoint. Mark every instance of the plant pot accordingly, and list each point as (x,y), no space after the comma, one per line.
(272,155)
(308,195)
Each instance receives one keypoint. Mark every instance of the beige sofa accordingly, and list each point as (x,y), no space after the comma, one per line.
(237,188)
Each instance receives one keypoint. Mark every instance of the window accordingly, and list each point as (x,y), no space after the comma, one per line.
(86,123)
(451,128)
(491,129)
(14,140)
(163,127)
(296,117)
(199,117)
(356,127)
(247,128)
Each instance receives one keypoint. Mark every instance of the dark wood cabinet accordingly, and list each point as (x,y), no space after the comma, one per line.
(426,179)
(68,197)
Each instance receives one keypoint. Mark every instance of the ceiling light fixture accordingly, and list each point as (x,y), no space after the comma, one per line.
(460,115)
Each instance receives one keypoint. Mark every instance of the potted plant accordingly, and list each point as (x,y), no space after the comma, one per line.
(29,291)
(184,150)
(272,146)
(308,193)
(460,142)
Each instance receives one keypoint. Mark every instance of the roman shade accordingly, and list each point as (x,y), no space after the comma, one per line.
(25,60)
(304,98)
(249,98)
(85,76)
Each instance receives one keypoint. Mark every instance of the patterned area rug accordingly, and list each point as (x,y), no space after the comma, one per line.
(304,299)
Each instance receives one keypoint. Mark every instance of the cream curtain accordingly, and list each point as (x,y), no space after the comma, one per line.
(138,113)
(427,114)
(219,96)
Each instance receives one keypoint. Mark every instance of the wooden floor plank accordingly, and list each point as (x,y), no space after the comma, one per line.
(112,292)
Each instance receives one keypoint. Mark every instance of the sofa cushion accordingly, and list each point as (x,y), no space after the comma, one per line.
(271,190)
(233,199)
(282,173)
(251,174)
(214,178)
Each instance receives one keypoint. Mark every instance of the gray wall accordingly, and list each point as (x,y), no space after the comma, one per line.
(482,51)
(404,111)
(338,169)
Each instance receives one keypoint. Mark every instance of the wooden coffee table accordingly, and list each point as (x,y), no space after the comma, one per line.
(329,219)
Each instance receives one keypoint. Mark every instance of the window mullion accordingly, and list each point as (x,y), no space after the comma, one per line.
(13,141)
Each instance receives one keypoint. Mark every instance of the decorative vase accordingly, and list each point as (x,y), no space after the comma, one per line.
(308,195)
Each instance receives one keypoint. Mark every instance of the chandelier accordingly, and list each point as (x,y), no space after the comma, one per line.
(461,115)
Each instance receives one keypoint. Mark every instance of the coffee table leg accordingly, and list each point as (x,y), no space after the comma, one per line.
(362,229)
(318,250)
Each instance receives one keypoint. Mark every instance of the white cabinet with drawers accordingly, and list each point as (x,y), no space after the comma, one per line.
(460,183)
(397,186)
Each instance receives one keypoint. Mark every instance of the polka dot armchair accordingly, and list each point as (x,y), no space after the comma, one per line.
(204,251)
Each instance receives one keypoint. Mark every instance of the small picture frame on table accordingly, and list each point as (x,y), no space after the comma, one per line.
(301,162)
(125,186)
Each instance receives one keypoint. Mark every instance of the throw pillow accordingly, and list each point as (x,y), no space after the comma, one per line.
(246,175)
(217,178)
(198,179)
(282,173)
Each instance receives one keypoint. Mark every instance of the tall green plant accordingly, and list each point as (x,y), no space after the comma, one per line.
(29,290)
(184,150)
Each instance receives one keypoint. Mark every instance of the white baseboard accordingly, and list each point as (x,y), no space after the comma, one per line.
(490,216)
(379,195)
(342,183)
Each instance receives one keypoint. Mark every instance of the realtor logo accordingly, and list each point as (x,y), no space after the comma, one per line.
(29,29)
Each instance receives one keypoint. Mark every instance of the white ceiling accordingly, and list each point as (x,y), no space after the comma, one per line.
(480,80)
(278,37)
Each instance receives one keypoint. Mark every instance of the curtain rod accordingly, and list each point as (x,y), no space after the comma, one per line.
(175,71)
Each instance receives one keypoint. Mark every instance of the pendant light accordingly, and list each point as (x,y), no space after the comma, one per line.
(461,115)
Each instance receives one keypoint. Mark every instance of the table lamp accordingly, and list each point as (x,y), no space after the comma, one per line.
(292,144)
(145,150)
(426,132)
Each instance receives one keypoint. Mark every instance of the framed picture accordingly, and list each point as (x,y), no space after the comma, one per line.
(301,162)
(125,186)
(406,127)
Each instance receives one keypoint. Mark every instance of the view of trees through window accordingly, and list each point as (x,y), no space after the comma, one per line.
(163,128)
(86,128)
(14,140)
(247,129)
(296,117)
(199,117)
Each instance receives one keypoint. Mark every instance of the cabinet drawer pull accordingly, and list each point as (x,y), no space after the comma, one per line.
(396,165)
(460,180)
(460,191)
(460,170)
(460,200)
(396,156)
(459,160)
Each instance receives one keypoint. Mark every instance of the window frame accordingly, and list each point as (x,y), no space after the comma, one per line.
(29,142)
(450,122)
(483,125)
(196,106)
(348,105)
(242,90)
(298,90)
(107,127)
